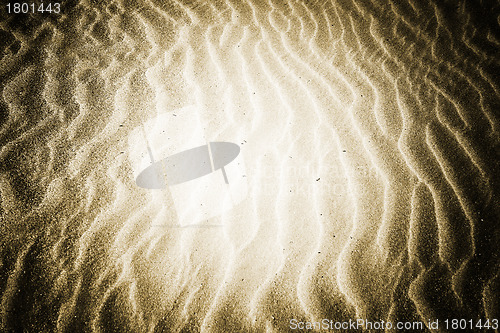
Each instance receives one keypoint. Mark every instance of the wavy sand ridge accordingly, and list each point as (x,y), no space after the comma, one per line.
(369,132)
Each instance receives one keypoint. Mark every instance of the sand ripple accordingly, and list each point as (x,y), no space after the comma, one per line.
(369,131)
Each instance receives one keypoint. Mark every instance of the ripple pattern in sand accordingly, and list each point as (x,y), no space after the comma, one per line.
(369,131)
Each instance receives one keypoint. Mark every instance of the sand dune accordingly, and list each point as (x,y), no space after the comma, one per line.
(369,135)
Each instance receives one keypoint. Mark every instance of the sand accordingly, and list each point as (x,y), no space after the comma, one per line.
(369,136)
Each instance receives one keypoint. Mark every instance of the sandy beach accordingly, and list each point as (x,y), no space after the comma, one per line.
(364,185)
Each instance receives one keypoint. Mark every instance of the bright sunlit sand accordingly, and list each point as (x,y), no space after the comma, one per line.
(248,166)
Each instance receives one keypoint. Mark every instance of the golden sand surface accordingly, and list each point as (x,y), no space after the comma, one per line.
(369,136)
